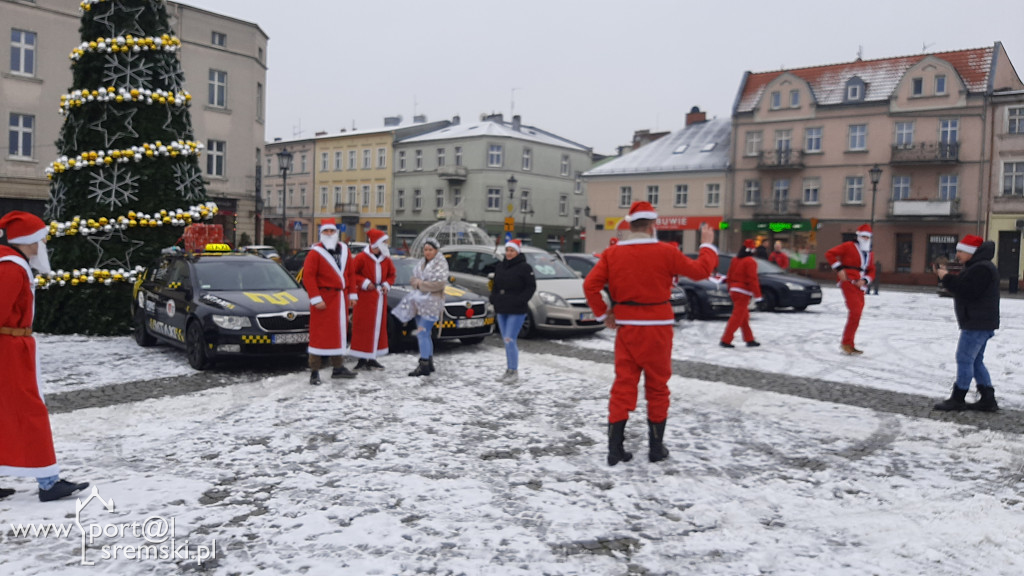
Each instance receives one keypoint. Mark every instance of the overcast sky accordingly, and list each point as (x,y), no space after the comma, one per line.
(592,71)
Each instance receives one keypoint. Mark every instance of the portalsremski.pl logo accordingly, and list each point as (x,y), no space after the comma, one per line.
(150,539)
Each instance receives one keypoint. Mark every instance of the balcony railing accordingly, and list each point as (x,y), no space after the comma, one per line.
(926,153)
(348,212)
(452,172)
(925,208)
(784,207)
(785,159)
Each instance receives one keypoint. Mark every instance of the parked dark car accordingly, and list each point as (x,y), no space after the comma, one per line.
(218,304)
(779,289)
(296,261)
(468,316)
(582,264)
(708,298)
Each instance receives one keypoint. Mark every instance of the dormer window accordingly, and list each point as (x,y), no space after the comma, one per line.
(794,98)
(917,87)
(776,100)
(940,84)
(681,148)
(855,89)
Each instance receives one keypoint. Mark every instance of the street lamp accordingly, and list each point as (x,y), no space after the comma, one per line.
(511,195)
(284,164)
(876,175)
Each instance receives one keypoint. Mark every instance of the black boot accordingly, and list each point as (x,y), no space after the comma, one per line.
(362,364)
(422,368)
(342,372)
(987,403)
(5,492)
(616,435)
(430,364)
(62,489)
(377,365)
(955,402)
(314,378)
(655,434)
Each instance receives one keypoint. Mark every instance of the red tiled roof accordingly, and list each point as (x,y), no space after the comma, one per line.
(828,82)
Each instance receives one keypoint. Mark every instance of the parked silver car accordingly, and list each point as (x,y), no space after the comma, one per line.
(558,307)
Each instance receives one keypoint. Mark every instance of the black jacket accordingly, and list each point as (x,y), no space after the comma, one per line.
(976,291)
(514,285)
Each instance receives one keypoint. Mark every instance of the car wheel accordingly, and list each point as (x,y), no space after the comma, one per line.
(395,342)
(800,308)
(195,346)
(142,337)
(472,341)
(528,330)
(768,301)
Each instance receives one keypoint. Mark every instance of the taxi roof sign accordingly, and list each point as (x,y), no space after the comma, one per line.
(217,248)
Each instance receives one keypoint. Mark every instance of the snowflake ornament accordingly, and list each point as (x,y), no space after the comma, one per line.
(188,181)
(131,69)
(114,186)
(58,200)
(168,72)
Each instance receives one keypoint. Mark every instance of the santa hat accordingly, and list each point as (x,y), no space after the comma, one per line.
(864,230)
(377,238)
(327,224)
(969,244)
(641,211)
(22,228)
(515,244)
(613,241)
(750,244)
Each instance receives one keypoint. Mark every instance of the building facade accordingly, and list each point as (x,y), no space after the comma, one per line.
(898,142)
(1006,218)
(223,61)
(509,178)
(287,215)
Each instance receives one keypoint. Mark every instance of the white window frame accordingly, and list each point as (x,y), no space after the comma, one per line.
(940,84)
(441,157)
(21,128)
(493,199)
(323,197)
(563,204)
(339,160)
(458,155)
(366,196)
(382,158)
(949,186)
(858,137)
(1015,120)
(917,86)
(812,139)
(524,201)
(259,102)
(401,160)
(682,195)
(565,165)
(218,39)
(794,98)
(625,196)
(901,187)
(367,160)
(217,96)
(653,194)
(400,200)
(23,52)
(712,194)
(382,195)
(418,160)
(353,194)
(784,139)
(456,197)
(811,191)
(417,199)
(752,142)
(353,159)
(324,161)
(751,192)
(216,158)
(337,196)
(853,92)
(904,135)
(495,152)
(527,159)
(439,199)
(775,100)
(853,191)
(1013,179)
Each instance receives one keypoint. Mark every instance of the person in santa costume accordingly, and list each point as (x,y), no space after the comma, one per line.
(854,263)
(976,302)
(374,276)
(26,442)
(639,272)
(514,285)
(743,285)
(327,274)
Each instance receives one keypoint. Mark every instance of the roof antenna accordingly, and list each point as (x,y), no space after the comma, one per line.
(925,47)
(860,52)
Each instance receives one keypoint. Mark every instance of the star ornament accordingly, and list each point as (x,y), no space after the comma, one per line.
(115,124)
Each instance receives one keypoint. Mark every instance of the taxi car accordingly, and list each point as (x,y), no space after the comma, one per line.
(468,316)
(219,304)
(262,250)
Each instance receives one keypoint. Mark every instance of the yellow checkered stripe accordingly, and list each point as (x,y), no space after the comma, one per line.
(256,339)
(174,285)
(453,323)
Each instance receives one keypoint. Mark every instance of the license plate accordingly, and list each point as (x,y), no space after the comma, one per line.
(470,323)
(586,316)
(290,338)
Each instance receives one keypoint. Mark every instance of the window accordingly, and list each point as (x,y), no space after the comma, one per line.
(417,199)
(456,196)
(291,196)
(565,165)
(853,92)
(940,84)
(494,198)
(1015,120)
(440,157)
(752,192)
(578,184)
(323,197)
(858,136)
(524,201)
(337,195)
(218,89)
(352,195)
(419,159)
(458,155)
(215,154)
(400,200)
(527,159)
(812,187)
(22,127)
(438,199)
(752,146)
(794,98)
(269,165)
(948,185)
(900,187)
(351,159)
(949,130)
(323,161)
(904,134)
(382,157)
(23,52)
(381,195)
(401,160)
(367,160)
(366,195)
(259,101)
(652,195)
(302,195)
(682,196)
(812,139)
(713,194)
(776,102)
(219,39)
(338,163)
(563,205)
(494,152)
(780,196)
(302,163)
(1013,179)
(625,196)
(783,139)
(917,87)
(854,190)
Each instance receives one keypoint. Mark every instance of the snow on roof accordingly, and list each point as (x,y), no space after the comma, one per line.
(828,82)
(698,147)
(497,127)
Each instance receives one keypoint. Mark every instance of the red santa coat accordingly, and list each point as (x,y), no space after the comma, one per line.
(374,276)
(26,442)
(639,274)
(848,256)
(742,277)
(780,259)
(333,284)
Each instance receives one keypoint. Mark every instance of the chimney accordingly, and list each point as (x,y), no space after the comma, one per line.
(696,116)
(419,119)
(320,133)
(392,120)
(517,121)
(456,120)
(492,118)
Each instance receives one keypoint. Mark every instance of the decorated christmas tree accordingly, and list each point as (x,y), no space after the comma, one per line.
(127,179)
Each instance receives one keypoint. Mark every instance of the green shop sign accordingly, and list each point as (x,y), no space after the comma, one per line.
(798,226)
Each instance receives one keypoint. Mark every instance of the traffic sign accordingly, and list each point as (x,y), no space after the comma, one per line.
(510,224)
(508,236)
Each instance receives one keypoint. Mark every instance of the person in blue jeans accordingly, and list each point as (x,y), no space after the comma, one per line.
(976,302)
(514,285)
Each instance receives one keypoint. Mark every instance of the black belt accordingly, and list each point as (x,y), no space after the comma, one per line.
(631,303)
(857,268)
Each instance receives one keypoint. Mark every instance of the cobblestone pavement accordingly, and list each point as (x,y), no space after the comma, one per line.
(918,406)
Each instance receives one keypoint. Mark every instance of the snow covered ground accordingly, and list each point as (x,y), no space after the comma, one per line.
(456,474)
